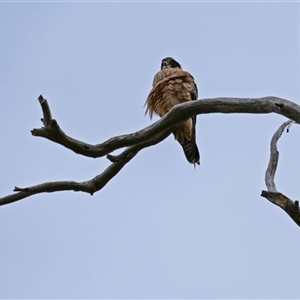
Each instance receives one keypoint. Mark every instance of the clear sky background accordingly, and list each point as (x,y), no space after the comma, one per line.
(159,229)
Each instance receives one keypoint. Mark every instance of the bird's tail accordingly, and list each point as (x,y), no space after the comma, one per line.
(191,152)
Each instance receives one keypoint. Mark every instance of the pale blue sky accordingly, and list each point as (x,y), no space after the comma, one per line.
(160,229)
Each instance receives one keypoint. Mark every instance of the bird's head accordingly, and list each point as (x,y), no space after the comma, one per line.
(170,62)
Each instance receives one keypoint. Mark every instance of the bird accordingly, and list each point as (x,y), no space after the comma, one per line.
(171,86)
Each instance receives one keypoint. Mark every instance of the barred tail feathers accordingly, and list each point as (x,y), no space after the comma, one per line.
(191,152)
(185,134)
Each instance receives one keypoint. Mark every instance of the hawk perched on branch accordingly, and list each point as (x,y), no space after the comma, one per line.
(171,86)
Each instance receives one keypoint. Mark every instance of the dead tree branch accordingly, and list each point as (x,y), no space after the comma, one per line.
(139,140)
(289,206)
(274,156)
(179,113)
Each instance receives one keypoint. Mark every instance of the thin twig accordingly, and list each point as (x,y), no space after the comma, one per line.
(47,118)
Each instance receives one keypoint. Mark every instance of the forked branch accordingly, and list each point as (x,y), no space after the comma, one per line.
(139,140)
(177,114)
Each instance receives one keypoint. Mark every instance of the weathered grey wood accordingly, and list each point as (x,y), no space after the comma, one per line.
(152,135)
(177,114)
(289,206)
(274,156)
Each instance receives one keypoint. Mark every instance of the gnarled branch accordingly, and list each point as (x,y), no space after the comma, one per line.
(146,137)
(289,206)
(177,114)
(274,156)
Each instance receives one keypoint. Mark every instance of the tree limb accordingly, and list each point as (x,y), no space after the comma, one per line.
(146,137)
(90,186)
(289,206)
(274,156)
(177,114)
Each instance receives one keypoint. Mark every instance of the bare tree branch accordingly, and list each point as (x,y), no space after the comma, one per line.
(90,186)
(289,206)
(146,137)
(177,114)
(274,155)
(46,111)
